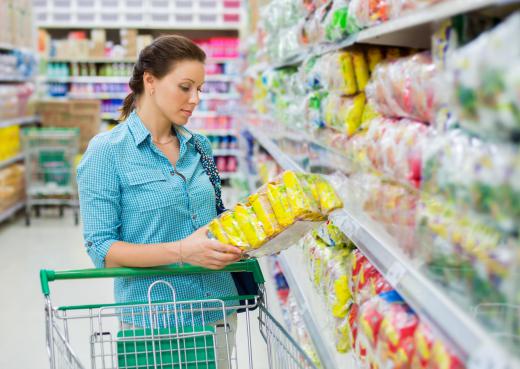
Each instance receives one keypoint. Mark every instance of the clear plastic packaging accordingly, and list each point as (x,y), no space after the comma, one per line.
(404,88)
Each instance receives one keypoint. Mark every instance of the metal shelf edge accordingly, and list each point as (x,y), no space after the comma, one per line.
(12,160)
(11,211)
(19,121)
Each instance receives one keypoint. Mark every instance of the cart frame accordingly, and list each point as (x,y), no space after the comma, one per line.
(45,185)
(175,346)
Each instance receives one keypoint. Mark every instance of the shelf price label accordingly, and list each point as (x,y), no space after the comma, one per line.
(395,273)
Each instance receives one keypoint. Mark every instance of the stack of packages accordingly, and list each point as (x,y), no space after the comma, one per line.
(368,317)
(287,26)
(470,210)
(278,214)
(12,186)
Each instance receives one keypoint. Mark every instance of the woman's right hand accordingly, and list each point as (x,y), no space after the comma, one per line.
(199,250)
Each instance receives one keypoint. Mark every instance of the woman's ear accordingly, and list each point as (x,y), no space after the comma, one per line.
(149,83)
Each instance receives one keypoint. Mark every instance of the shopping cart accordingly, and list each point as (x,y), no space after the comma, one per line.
(49,169)
(166,335)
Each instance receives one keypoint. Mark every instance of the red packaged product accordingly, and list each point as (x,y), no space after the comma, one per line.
(396,336)
(444,358)
(424,340)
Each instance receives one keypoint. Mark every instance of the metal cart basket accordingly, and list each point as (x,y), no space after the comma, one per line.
(166,335)
(49,168)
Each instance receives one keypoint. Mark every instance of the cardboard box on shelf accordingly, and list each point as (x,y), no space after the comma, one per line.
(98,39)
(129,42)
(143,41)
(82,114)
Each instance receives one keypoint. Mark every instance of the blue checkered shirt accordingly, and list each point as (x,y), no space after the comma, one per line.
(129,191)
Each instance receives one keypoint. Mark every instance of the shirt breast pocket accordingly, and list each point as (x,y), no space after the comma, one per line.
(150,189)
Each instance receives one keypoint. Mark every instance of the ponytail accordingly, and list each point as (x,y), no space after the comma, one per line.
(128,106)
(158,58)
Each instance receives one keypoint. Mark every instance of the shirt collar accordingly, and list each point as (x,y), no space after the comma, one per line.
(141,133)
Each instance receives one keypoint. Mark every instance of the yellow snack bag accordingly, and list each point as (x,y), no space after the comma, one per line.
(250,226)
(277,195)
(302,202)
(393,53)
(369,113)
(216,230)
(234,233)
(265,213)
(360,69)
(354,114)
(375,56)
(329,200)
(324,193)
(347,71)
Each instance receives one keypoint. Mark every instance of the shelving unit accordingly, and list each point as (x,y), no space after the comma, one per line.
(21,121)
(226,152)
(12,160)
(314,311)
(410,30)
(448,319)
(11,211)
(122,79)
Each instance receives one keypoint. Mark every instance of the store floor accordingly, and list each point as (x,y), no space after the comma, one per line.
(55,243)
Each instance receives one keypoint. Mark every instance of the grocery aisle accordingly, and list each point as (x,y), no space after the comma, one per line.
(55,243)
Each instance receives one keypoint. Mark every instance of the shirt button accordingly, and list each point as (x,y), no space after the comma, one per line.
(194,216)
(172,172)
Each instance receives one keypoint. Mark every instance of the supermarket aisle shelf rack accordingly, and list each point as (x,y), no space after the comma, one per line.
(119,95)
(20,121)
(410,30)
(12,160)
(314,312)
(123,79)
(474,344)
(11,211)
(209,60)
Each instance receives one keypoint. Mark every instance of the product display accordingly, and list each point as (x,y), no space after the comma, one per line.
(273,209)
(12,186)
(9,142)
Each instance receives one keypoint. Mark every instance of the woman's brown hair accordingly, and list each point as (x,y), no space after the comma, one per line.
(158,58)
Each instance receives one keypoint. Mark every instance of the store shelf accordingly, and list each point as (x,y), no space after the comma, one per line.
(226,152)
(101,95)
(14,79)
(9,47)
(314,312)
(209,60)
(110,116)
(410,30)
(20,121)
(217,132)
(229,175)
(219,96)
(205,114)
(191,26)
(472,342)
(122,79)
(11,211)
(12,160)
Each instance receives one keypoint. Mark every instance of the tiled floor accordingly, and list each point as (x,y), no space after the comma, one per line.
(55,243)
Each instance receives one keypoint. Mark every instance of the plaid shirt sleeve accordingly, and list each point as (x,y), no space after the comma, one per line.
(99,196)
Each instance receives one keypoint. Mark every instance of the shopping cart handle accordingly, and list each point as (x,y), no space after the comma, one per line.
(46,276)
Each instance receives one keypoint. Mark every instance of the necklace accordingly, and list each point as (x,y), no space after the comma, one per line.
(164,143)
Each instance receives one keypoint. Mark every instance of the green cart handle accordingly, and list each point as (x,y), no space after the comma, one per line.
(46,276)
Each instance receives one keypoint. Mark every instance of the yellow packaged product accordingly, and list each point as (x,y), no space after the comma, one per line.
(250,226)
(374,56)
(369,113)
(360,69)
(265,213)
(347,71)
(302,202)
(277,195)
(355,112)
(232,230)
(324,193)
(393,53)
(217,231)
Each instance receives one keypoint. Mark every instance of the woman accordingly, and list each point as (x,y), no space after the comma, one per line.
(147,189)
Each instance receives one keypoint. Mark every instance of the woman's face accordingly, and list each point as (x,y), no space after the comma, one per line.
(178,93)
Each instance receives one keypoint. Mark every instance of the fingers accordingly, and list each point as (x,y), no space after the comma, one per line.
(223,248)
(224,257)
